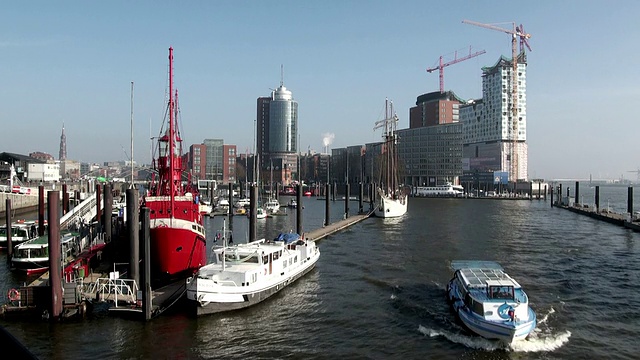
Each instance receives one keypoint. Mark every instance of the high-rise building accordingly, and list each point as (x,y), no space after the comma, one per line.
(197,161)
(229,163)
(488,123)
(435,108)
(214,164)
(277,135)
(62,155)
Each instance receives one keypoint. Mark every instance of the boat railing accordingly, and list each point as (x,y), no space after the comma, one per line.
(106,289)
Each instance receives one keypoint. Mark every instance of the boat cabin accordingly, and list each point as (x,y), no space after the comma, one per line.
(500,290)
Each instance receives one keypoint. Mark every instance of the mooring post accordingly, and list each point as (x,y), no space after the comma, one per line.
(335,190)
(65,199)
(327,191)
(108,208)
(299,209)
(55,267)
(578,193)
(40,210)
(347,191)
(231,207)
(99,207)
(597,198)
(560,194)
(552,196)
(146,263)
(8,225)
(630,202)
(134,234)
(360,196)
(253,210)
(545,193)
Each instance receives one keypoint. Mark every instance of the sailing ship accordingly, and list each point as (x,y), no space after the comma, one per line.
(178,245)
(392,200)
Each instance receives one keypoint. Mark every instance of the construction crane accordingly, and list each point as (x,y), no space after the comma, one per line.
(455,60)
(517,33)
(637,173)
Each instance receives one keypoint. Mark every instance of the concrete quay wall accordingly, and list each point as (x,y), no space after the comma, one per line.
(21,204)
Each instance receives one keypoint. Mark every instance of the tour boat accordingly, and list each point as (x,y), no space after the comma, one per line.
(20,232)
(392,201)
(448,190)
(246,274)
(33,256)
(178,245)
(489,302)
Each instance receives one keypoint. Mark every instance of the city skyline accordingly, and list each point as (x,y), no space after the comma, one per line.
(65,64)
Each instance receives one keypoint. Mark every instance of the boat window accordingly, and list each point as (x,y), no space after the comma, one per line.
(477,307)
(501,292)
(265,259)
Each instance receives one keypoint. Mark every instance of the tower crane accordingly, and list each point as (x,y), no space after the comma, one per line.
(517,33)
(455,60)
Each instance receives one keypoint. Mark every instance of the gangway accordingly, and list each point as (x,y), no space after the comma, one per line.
(81,213)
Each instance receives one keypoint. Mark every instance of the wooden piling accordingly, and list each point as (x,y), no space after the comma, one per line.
(65,199)
(253,219)
(578,192)
(360,195)
(55,258)
(134,234)
(40,210)
(231,207)
(552,196)
(597,198)
(108,208)
(346,200)
(146,263)
(327,191)
(299,209)
(99,207)
(8,225)
(630,201)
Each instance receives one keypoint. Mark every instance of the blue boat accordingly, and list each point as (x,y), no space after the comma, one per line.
(489,302)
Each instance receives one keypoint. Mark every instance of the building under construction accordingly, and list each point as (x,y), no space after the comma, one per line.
(488,139)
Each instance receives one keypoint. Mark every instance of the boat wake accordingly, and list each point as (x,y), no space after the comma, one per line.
(541,339)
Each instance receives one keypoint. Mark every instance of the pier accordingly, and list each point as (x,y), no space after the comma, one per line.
(628,220)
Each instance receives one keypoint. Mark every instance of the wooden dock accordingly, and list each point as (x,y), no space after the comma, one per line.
(330,229)
(604,215)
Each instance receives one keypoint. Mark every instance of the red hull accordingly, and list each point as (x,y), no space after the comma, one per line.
(177,251)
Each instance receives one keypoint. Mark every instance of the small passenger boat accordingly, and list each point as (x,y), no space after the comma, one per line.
(246,274)
(33,256)
(489,302)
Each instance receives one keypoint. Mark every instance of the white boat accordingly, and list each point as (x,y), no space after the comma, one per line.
(33,256)
(445,190)
(243,203)
(272,206)
(246,274)
(392,201)
(20,232)
(260,213)
(489,302)
(222,206)
(292,203)
(205,207)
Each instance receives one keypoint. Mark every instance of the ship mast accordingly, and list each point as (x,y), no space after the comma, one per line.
(170,155)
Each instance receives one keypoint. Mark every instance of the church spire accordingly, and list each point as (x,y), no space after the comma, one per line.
(63,145)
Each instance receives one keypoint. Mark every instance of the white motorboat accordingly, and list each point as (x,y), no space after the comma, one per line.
(246,274)
(272,206)
(20,232)
(489,302)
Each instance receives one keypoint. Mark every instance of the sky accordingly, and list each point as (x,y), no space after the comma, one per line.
(73,62)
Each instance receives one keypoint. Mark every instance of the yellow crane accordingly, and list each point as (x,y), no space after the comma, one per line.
(517,33)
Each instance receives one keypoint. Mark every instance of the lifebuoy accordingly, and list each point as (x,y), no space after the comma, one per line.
(14,295)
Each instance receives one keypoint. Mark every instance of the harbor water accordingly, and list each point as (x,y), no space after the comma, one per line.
(378,292)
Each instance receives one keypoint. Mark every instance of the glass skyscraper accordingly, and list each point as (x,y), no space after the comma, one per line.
(283,122)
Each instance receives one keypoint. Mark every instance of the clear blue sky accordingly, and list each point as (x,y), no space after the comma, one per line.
(73,62)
